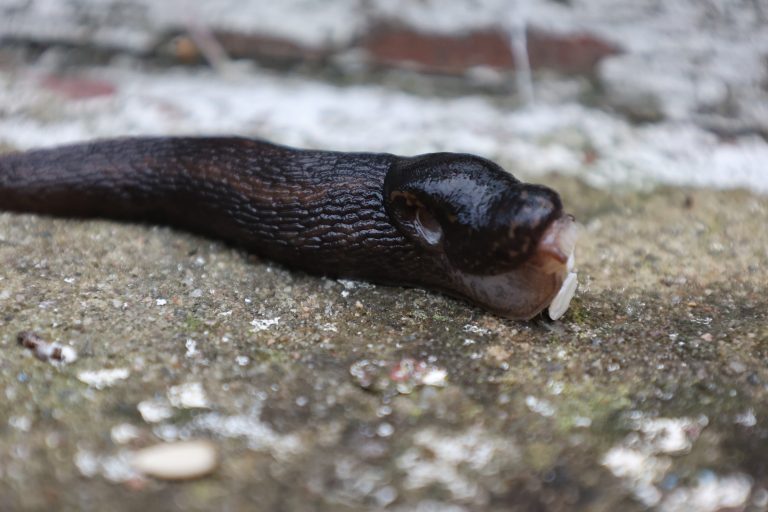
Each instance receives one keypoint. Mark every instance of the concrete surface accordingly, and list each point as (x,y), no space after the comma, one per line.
(652,387)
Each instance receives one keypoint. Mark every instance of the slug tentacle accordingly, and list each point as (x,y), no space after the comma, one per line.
(453,222)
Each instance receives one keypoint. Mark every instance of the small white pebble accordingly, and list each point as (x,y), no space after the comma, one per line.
(153,411)
(435,377)
(161,302)
(582,421)
(348,284)
(100,379)
(124,433)
(385,430)
(176,461)
(747,419)
(190,395)
(22,423)
(540,406)
(264,323)
(191,346)
(56,353)
(476,329)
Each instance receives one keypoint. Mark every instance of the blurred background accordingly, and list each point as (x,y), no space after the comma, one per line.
(615,92)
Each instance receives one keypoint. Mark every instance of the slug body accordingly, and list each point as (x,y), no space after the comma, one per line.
(451,222)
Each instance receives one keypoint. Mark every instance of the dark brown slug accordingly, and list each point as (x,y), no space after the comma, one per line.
(451,222)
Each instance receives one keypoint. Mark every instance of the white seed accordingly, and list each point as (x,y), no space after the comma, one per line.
(176,461)
(562,300)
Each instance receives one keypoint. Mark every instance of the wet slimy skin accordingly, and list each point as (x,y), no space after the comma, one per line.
(456,223)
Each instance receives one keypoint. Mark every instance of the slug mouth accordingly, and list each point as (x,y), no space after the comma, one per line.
(545,281)
(555,255)
(557,245)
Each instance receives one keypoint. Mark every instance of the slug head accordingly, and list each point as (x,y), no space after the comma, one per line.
(503,244)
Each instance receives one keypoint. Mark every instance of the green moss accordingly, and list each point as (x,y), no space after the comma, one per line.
(193,324)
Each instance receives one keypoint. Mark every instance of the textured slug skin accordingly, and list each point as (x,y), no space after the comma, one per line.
(452,222)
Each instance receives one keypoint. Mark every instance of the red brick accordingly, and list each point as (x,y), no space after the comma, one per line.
(567,53)
(454,54)
(258,47)
(77,88)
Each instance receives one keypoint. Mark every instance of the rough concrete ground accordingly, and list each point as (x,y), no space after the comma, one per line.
(652,388)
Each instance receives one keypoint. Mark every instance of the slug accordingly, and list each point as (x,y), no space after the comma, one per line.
(455,223)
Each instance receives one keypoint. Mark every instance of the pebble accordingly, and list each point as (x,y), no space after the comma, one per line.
(189,395)
(101,379)
(45,351)
(124,433)
(176,461)
(154,411)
